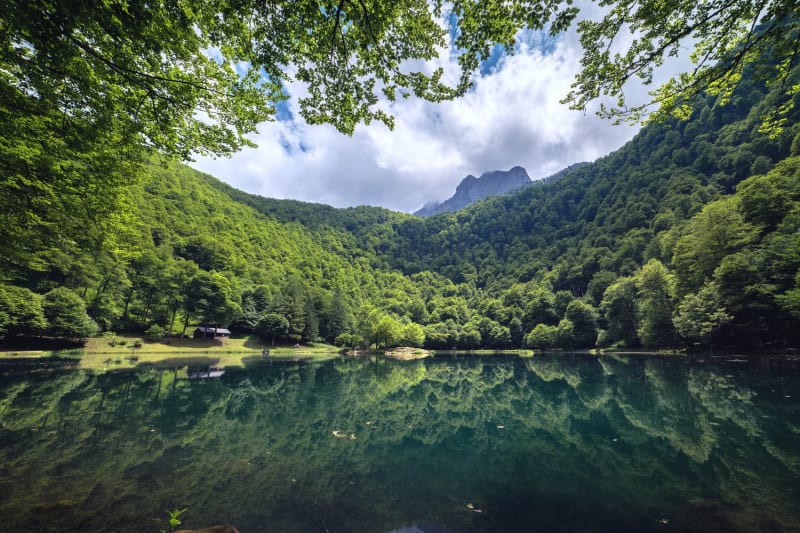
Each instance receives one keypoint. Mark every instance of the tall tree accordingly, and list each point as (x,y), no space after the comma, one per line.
(272,326)
(656,293)
(583,318)
(209,298)
(290,302)
(66,314)
(620,312)
(337,317)
(20,312)
(699,316)
(718,230)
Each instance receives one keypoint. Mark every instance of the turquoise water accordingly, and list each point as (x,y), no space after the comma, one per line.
(561,443)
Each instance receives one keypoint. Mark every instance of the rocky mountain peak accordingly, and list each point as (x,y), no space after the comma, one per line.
(472,189)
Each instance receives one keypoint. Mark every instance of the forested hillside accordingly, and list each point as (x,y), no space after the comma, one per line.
(188,254)
(657,244)
(689,235)
(667,240)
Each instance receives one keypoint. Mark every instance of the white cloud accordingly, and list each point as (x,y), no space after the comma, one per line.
(511,117)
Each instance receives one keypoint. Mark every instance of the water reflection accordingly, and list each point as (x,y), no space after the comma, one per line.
(205,372)
(441,445)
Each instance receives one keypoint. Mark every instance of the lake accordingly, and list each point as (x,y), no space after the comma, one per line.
(447,444)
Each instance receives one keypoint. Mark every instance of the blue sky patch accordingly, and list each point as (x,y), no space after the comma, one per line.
(488,64)
(285,144)
(282,111)
(532,40)
(538,40)
(452,24)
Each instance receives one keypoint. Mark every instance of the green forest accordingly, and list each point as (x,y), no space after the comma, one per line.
(687,237)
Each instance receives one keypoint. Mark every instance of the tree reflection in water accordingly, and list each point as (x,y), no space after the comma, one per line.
(565,442)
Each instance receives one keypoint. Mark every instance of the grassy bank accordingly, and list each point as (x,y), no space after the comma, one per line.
(128,351)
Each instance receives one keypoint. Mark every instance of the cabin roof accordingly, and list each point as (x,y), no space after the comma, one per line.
(207,329)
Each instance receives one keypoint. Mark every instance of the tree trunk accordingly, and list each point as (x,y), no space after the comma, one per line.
(147,308)
(185,325)
(100,290)
(174,314)
(127,302)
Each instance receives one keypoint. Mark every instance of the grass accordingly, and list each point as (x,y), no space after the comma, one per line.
(128,351)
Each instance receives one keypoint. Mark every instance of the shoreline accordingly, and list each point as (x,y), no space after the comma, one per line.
(124,351)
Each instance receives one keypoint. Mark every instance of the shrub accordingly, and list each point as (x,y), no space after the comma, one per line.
(347,339)
(542,336)
(154,332)
(66,315)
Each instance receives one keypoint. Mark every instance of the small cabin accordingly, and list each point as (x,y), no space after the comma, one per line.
(205,332)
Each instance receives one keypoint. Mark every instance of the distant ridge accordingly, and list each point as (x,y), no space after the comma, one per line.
(493,183)
(472,189)
(563,172)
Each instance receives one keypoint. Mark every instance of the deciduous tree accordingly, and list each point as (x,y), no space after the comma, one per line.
(66,315)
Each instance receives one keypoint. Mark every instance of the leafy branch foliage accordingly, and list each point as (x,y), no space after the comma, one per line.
(730,37)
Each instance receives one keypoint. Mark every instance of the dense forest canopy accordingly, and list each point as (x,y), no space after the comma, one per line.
(688,235)
(194,75)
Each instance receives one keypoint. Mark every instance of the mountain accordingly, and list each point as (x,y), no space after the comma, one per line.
(472,189)
(702,213)
(687,236)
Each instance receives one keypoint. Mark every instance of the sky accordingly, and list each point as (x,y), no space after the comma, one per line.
(511,117)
